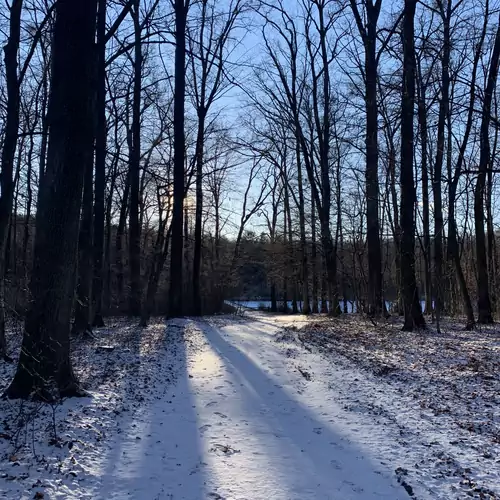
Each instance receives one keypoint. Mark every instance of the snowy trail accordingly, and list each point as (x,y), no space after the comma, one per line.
(241,424)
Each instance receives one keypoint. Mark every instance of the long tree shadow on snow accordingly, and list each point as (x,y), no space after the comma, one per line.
(315,459)
(157,455)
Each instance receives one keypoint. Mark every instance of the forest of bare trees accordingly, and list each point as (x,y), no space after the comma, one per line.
(164,157)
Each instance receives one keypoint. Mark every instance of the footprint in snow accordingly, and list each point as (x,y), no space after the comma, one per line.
(212,403)
(204,428)
(336,464)
(221,415)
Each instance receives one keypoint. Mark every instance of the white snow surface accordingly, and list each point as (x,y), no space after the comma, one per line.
(219,408)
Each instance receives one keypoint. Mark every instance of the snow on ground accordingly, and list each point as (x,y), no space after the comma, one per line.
(241,408)
(64,451)
(434,397)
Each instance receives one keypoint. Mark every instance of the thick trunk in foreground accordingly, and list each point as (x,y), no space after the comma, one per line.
(8,153)
(100,169)
(44,368)
(369,36)
(176,292)
(411,301)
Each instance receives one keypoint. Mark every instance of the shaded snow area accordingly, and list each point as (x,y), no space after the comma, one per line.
(431,399)
(70,450)
(263,407)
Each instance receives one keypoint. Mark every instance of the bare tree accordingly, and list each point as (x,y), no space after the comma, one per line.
(411,300)
(44,367)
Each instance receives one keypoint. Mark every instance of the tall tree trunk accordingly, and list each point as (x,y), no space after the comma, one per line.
(134,166)
(412,307)
(422,119)
(8,152)
(369,36)
(438,166)
(83,268)
(314,260)
(44,367)
(176,292)
(286,261)
(200,145)
(29,203)
(100,168)
(186,285)
(158,260)
(492,248)
(453,249)
(306,308)
(484,304)
(291,253)
(120,230)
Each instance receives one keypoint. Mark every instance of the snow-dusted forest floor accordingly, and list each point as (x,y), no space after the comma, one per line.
(263,406)
(68,450)
(435,396)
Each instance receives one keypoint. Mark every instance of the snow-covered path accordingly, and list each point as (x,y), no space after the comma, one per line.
(242,424)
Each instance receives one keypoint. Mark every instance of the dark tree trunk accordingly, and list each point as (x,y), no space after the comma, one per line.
(120,230)
(176,284)
(492,247)
(29,202)
(100,168)
(369,36)
(134,166)
(484,304)
(81,323)
(44,367)
(438,166)
(288,240)
(9,150)
(200,145)
(158,260)
(314,260)
(274,302)
(453,246)
(306,308)
(422,119)
(411,302)
(186,285)
(286,258)
(324,307)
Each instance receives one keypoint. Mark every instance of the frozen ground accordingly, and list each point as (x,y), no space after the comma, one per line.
(244,408)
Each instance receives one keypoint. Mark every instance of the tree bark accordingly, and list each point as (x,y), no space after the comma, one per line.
(83,270)
(438,166)
(44,369)
(485,315)
(411,302)
(100,168)
(176,293)
(369,36)
(11,51)
(422,119)
(200,145)
(135,170)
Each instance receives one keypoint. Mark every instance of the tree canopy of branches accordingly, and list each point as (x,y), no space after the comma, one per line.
(164,157)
